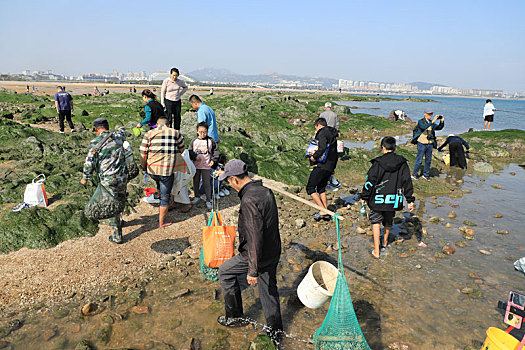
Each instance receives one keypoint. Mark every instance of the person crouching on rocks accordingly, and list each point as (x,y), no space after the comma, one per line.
(457,153)
(387,181)
(152,109)
(326,137)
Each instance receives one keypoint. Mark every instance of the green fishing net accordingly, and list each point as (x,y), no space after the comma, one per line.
(210,273)
(340,329)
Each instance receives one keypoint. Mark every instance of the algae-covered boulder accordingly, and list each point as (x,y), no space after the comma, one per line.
(483,167)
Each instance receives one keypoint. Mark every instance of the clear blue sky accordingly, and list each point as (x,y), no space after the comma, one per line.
(462,43)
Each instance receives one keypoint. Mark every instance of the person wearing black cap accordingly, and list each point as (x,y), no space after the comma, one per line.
(259,251)
(106,157)
(425,139)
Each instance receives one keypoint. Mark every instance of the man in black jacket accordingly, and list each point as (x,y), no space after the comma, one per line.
(326,137)
(386,182)
(259,251)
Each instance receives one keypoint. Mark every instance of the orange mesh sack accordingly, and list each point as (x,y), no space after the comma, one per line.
(218,241)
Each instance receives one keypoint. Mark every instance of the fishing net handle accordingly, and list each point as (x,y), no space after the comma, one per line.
(340,258)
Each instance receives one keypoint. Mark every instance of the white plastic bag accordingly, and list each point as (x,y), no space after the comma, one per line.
(181,181)
(35,193)
(520,264)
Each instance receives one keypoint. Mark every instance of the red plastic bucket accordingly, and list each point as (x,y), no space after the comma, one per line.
(149,191)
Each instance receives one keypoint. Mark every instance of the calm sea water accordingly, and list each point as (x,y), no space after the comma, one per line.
(460,113)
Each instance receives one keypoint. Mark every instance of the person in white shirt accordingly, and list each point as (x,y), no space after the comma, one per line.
(488,114)
(170,94)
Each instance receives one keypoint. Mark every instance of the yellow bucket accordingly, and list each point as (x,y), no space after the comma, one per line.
(499,340)
(446,159)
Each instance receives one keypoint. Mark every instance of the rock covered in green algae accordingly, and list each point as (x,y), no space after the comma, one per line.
(262,342)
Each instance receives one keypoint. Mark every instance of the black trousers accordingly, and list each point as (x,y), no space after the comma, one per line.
(457,155)
(67,115)
(173,113)
(268,294)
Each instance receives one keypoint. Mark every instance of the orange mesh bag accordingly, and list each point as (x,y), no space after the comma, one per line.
(218,241)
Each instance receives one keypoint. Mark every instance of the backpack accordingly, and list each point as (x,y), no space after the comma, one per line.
(414,131)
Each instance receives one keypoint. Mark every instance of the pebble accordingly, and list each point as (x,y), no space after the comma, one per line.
(502,232)
(461,244)
(498,215)
(89,309)
(360,230)
(498,187)
(296,267)
(434,220)
(474,275)
(452,214)
(76,328)
(300,223)
(418,266)
(470,232)
(485,252)
(403,255)
(448,249)
(512,173)
(398,346)
(467,290)
(478,281)
(180,293)
(448,225)
(140,309)
(470,223)
(50,333)
(469,237)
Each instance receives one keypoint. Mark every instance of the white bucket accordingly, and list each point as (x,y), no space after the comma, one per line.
(340,147)
(318,285)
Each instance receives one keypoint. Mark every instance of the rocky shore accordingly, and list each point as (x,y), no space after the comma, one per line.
(85,293)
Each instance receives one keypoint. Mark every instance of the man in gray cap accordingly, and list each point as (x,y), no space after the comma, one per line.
(106,157)
(425,137)
(330,116)
(259,251)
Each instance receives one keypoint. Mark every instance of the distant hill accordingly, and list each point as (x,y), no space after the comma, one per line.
(424,86)
(225,75)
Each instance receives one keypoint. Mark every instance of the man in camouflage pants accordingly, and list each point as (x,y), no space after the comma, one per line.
(110,164)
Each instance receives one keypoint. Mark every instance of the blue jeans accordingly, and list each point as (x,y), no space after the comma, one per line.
(425,150)
(164,185)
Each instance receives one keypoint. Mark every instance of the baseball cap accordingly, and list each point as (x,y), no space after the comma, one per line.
(429,111)
(100,122)
(232,168)
(327,105)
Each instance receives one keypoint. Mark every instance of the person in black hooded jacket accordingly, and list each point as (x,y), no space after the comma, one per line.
(326,137)
(387,181)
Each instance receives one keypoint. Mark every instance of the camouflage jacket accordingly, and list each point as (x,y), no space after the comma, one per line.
(110,162)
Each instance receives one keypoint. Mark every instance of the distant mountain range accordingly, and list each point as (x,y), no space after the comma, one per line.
(225,75)
(424,86)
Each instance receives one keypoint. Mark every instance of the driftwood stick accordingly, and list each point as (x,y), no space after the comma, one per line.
(299,199)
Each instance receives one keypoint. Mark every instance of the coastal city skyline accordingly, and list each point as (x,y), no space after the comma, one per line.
(448,42)
(278,81)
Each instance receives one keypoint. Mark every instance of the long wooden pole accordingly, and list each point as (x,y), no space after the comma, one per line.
(299,199)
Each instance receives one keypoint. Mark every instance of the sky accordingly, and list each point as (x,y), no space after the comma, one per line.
(461,43)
